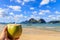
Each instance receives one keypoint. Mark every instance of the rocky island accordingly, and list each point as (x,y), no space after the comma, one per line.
(32,20)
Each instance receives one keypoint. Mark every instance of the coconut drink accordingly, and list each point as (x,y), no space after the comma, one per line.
(14,30)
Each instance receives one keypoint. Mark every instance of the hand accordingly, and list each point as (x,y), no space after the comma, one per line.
(4,35)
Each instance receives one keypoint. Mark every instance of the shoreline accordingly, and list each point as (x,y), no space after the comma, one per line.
(42,29)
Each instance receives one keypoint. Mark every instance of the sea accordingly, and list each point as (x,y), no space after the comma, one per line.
(47,26)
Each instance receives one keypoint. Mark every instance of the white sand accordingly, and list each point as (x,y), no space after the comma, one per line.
(37,34)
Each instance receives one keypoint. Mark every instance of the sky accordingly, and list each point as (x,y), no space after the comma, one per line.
(21,10)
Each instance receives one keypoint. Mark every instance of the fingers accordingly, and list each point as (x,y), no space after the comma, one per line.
(5,29)
(4,33)
(16,39)
(7,39)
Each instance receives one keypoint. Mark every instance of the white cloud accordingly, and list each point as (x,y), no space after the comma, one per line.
(25,16)
(20,16)
(28,0)
(50,15)
(11,13)
(53,0)
(34,12)
(22,2)
(15,8)
(31,8)
(15,18)
(58,17)
(3,12)
(57,12)
(33,16)
(53,17)
(7,16)
(46,11)
(19,1)
(42,12)
(44,2)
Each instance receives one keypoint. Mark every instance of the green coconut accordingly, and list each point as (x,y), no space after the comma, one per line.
(14,30)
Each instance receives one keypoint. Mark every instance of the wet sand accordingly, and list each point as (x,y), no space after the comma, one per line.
(39,34)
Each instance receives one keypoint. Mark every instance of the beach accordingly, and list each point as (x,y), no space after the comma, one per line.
(33,33)
(39,34)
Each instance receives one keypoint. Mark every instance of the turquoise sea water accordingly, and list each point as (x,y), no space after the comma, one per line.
(55,27)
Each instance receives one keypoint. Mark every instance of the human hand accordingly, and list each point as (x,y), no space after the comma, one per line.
(4,35)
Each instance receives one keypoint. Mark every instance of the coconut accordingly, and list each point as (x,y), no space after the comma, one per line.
(14,30)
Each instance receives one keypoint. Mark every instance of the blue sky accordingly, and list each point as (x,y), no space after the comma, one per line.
(21,10)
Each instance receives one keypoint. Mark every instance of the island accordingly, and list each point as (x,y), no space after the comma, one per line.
(34,21)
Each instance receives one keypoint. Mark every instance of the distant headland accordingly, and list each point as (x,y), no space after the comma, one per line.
(34,21)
